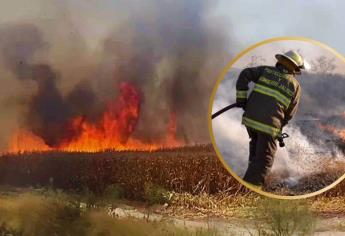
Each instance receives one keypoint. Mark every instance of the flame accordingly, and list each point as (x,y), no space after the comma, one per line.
(340,133)
(111,132)
(172,130)
(25,141)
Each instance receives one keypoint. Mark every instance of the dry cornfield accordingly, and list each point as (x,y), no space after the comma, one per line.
(192,170)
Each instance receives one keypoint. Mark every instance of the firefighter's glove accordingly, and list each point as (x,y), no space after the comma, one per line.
(241,103)
(241,98)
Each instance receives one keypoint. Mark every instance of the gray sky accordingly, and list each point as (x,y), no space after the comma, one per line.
(252,21)
(247,21)
(265,54)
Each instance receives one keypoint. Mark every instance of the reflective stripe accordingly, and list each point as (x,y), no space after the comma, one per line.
(275,132)
(276,73)
(241,94)
(272,93)
(275,84)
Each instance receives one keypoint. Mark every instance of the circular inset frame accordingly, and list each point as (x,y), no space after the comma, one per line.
(220,79)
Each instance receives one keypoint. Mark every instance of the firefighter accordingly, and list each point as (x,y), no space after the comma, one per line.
(269,107)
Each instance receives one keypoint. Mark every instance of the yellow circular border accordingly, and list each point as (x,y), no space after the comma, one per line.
(214,91)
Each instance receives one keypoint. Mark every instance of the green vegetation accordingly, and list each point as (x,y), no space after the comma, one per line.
(42,213)
(283,218)
(154,194)
(38,212)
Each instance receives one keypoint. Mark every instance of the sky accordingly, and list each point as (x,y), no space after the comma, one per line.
(311,52)
(247,21)
(252,21)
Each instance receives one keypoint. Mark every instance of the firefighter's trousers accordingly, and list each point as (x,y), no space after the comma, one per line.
(262,149)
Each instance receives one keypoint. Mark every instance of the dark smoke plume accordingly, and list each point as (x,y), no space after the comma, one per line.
(174,57)
(48,113)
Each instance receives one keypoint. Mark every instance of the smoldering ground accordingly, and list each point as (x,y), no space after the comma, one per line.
(169,50)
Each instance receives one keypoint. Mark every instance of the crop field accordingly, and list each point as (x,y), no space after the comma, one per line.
(192,170)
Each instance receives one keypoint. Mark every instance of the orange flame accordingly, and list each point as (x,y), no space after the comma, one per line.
(172,130)
(112,132)
(26,141)
(340,133)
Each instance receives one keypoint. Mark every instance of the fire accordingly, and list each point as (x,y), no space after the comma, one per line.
(172,129)
(26,141)
(340,133)
(111,132)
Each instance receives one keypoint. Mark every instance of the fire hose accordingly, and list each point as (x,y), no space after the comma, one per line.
(221,111)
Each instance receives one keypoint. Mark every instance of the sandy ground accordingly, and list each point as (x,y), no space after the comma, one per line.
(334,225)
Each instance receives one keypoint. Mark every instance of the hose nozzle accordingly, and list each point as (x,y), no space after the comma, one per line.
(281,139)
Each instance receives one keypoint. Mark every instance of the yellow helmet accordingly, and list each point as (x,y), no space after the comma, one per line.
(295,58)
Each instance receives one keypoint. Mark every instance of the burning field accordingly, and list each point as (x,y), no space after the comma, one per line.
(118,110)
(104,111)
(80,120)
(131,104)
(141,86)
(124,131)
(111,131)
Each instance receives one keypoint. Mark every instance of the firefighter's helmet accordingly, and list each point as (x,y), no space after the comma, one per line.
(295,58)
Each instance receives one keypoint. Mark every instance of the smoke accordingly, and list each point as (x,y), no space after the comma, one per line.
(323,94)
(170,50)
(172,55)
(48,112)
(18,45)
